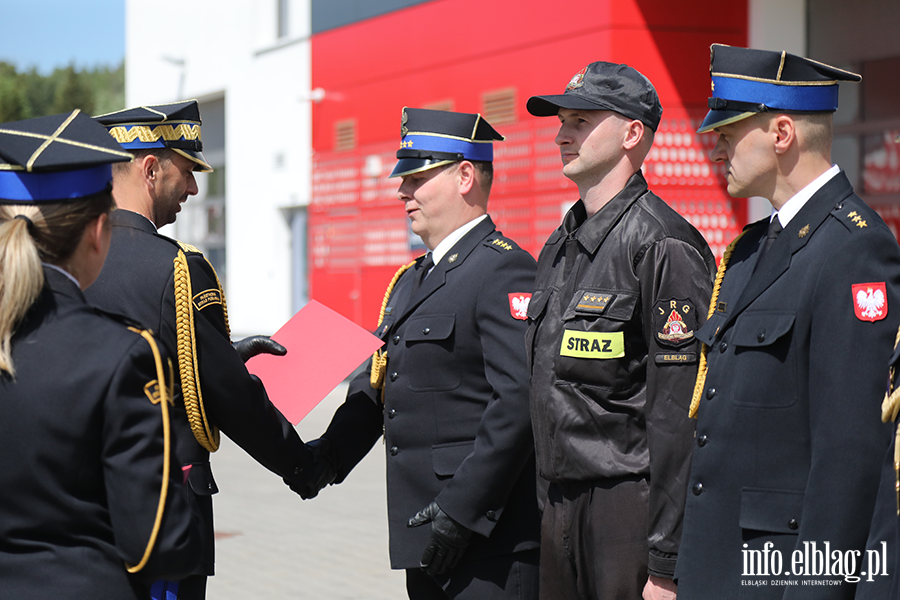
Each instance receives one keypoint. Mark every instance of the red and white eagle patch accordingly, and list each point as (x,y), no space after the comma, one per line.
(518,305)
(870,301)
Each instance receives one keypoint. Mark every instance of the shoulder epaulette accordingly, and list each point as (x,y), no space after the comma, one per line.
(850,214)
(187,247)
(500,244)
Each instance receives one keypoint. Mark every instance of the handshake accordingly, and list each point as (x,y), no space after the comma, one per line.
(321,471)
(449,539)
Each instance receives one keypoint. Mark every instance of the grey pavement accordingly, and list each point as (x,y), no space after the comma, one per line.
(273,545)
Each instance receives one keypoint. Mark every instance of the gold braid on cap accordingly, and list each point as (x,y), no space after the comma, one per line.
(889,410)
(164,400)
(379,359)
(717,287)
(188,368)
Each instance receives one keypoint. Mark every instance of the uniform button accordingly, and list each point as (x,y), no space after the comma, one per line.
(701,441)
(491,515)
(396,339)
(711,393)
(394,376)
(761,337)
(723,346)
(297,470)
(793,524)
(697,489)
(210,487)
(392,413)
(427,330)
(394,450)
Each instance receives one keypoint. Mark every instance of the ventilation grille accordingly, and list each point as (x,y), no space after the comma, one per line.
(345,135)
(499,106)
(440,105)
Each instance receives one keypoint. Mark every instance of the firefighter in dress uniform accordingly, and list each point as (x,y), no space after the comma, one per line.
(170,287)
(449,390)
(884,534)
(801,322)
(91,495)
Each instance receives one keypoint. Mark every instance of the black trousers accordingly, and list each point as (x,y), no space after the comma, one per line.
(594,540)
(509,577)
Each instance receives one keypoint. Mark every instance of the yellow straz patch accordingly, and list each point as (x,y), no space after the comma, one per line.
(152,391)
(582,344)
(207,297)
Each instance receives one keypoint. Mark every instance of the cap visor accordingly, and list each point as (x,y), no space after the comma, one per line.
(197,157)
(718,118)
(548,106)
(408,166)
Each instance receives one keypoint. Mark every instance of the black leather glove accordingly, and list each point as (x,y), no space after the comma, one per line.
(249,347)
(448,543)
(322,471)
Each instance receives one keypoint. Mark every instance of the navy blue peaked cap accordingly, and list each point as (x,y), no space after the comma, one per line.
(56,159)
(747,81)
(431,138)
(175,126)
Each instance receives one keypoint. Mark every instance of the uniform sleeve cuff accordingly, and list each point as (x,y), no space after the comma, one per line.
(662,564)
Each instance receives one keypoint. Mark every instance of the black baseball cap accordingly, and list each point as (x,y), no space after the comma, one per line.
(605,86)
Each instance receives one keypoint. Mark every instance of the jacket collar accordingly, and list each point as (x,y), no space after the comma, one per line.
(127,218)
(60,284)
(794,237)
(438,276)
(591,231)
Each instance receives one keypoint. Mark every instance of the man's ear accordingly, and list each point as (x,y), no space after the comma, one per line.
(148,165)
(785,131)
(465,174)
(634,133)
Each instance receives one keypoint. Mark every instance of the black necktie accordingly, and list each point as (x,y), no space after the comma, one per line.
(422,271)
(774,229)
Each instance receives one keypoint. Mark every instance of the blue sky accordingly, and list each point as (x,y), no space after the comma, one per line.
(53,33)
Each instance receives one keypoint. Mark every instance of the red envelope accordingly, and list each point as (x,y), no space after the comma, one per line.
(323,348)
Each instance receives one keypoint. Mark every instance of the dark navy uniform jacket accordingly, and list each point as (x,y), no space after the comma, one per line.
(884,535)
(455,415)
(81,459)
(137,280)
(789,438)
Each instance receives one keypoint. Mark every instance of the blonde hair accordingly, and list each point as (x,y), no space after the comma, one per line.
(48,233)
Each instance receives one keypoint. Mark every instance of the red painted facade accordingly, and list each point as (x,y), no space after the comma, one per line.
(452,52)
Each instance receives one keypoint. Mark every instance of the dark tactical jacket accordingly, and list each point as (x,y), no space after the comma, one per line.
(618,300)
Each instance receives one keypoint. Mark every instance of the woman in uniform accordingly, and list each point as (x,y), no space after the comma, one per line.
(91,503)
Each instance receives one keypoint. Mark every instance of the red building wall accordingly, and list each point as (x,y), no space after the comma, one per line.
(453,51)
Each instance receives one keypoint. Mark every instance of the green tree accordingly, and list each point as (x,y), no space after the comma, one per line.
(74,91)
(13,102)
